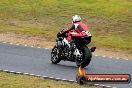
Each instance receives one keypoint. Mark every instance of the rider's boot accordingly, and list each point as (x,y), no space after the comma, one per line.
(66,42)
(72,46)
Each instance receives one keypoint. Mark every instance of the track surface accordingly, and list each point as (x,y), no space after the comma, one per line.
(37,61)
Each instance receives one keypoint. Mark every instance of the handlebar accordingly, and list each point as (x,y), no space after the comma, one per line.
(62,30)
(61,33)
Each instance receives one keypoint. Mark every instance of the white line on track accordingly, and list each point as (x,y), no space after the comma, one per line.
(53,78)
(32,46)
(26,73)
(64,79)
(39,47)
(5,70)
(117,58)
(110,57)
(19,72)
(46,48)
(125,59)
(25,45)
(49,48)
(114,87)
(57,78)
(108,86)
(11,43)
(17,44)
(96,84)
(71,80)
(4,42)
(102,85)
(44,76)
(12,71)
(38,75)
(104,56)
(32,74)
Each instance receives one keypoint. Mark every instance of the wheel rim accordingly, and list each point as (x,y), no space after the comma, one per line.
(54,54)
(80,59)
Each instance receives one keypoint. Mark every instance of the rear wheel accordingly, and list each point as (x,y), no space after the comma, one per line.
(55,55)
(86,58)
(79,59)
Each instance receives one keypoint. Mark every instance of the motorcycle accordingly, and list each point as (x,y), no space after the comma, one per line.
(79,53)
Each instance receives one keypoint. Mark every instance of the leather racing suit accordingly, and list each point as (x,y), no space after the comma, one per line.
(80,28)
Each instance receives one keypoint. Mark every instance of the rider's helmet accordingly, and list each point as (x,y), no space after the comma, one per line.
(76,18)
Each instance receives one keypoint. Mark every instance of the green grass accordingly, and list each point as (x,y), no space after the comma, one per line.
(110,21)
(9,80)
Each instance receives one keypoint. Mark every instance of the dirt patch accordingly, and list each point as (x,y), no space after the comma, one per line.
(42,42)
(26,39)
(114,53)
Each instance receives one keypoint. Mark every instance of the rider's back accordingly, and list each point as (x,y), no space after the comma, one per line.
(84,26)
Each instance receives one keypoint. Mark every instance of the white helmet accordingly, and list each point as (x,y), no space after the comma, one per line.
(76,18)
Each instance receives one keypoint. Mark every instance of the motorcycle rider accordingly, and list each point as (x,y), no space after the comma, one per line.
(80,28)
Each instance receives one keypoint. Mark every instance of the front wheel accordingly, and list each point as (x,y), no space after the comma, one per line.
(86,58)
(55,55)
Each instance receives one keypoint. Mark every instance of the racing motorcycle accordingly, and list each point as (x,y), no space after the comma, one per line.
(79,53)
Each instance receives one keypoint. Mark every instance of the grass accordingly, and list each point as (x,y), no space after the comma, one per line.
(9,80)
(109,20)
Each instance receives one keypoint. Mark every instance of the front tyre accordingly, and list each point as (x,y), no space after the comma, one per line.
(86,57)
(55,55)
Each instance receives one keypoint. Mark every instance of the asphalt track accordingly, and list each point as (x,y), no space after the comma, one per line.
(37,61)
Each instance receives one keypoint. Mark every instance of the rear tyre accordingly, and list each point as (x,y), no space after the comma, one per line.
(55,55)
(86,57)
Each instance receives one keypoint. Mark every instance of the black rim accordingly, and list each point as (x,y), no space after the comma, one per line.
(54,54)
(80,59)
